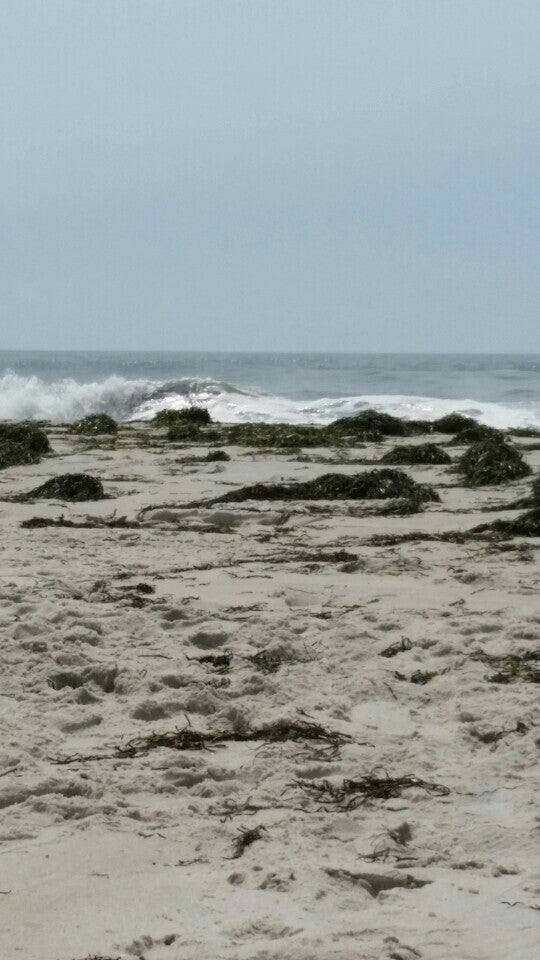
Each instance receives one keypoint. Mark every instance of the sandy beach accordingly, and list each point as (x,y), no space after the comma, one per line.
(347,779)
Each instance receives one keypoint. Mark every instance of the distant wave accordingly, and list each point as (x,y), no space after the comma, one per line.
(67,400)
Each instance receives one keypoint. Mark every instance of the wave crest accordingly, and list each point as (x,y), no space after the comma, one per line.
(66,400)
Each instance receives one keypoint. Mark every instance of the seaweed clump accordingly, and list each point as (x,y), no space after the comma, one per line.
(192,414)
(76,487)
(245,839)
(28,435)
(371,485)
(15,454)
(371,424)
(94,424)
(417,454)
(475,434)
(287,436)
(492,461)
(453,423)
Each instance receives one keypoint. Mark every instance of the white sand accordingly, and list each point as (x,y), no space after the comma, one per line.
(132,857)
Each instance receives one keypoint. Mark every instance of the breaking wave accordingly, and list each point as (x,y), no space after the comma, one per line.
(67,400)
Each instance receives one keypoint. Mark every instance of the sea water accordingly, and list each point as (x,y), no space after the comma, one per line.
(499,390)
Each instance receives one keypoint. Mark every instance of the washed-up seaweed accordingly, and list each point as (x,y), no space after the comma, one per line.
(245,839)
(492,461)
(282,436)
(420,677)
(476,434)
(91,523)
(524,503)
(220,662)
(21,443)
(401,646)
(192,414)
(422,453)
(267,661)
(270,661)
(453,423)
(512,667)
(525,525)
(371,422)
(213,456)
(75,487)
(186,738)
(531,500)
(16,454)
(373,484)
(29,435)
(350,794)
(99,956)
(525,432)
(95,424)
(216,456)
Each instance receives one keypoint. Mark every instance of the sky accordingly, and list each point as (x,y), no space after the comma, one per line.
(270,175)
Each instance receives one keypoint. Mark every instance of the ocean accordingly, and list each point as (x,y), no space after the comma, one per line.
(499,390)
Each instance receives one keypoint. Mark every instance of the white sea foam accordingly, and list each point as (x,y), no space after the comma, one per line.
(67,400)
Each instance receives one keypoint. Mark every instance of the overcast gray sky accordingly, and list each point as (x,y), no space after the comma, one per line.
(270,174)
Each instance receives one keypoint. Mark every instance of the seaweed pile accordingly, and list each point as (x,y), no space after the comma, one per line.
(194,424)
(453,423)
(76,487)
(27,434)
(372,424)
(475,434)
(15,454)
(94,424)
(285,436)
(417,454)
(371,485)
(192,414)
(491,461)
(22,443)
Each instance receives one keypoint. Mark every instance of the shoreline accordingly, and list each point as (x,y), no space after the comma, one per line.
(281,846)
